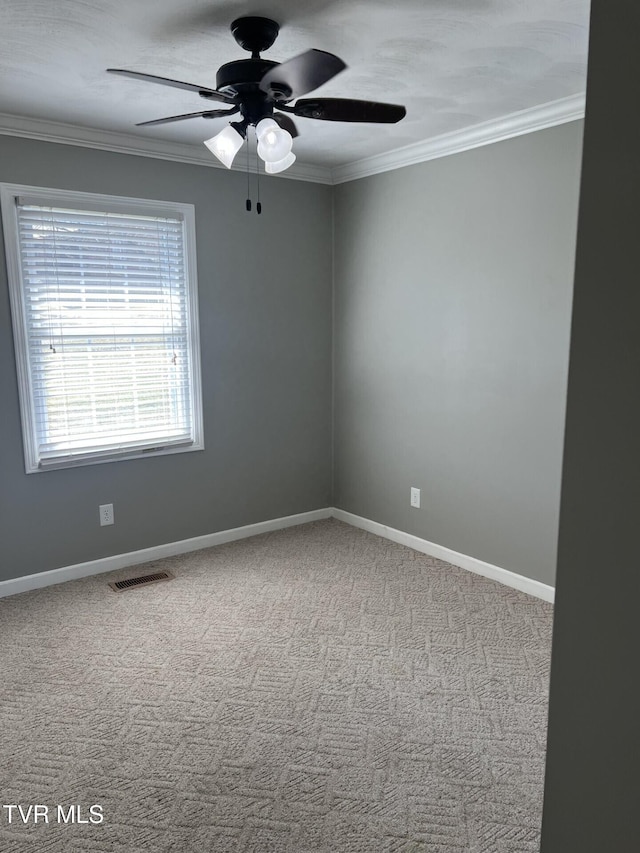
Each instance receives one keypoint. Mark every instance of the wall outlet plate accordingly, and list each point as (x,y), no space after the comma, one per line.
(415,497)
(106,514)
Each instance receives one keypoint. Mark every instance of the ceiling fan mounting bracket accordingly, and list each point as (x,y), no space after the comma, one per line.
(255,34)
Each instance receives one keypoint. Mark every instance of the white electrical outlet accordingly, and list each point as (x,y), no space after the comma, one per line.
(415,497)
(106,514)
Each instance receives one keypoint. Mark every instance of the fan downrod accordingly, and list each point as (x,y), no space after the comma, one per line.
(255,34)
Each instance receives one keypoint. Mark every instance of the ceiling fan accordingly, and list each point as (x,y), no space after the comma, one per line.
(262,91)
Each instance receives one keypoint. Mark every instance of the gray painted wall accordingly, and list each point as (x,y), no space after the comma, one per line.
(453,284)
(593,779)
(452,299)
(265,316)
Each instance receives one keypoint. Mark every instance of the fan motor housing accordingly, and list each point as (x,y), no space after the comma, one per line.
(243,75)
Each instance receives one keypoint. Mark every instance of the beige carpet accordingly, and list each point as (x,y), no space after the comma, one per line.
(314,689)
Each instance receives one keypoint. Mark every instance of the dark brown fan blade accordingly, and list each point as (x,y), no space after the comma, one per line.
(205,91)
(346,109)
(286,123)
(300,75)
(205,114)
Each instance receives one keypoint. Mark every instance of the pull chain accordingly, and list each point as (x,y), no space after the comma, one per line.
(248,203)
(258,205)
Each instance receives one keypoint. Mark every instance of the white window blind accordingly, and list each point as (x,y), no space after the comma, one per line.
(108,333)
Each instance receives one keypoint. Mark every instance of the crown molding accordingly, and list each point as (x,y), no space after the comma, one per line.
(516,124)
(125,143)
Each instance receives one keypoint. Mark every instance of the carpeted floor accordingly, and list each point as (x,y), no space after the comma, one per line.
(314,689)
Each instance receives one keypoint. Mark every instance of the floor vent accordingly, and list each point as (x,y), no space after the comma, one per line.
(131,583)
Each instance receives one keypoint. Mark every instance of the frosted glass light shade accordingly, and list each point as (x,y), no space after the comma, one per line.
(274,143)
(280,165)
(264,125)
(225,145)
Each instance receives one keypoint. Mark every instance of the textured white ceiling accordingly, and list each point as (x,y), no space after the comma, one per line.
(453,63)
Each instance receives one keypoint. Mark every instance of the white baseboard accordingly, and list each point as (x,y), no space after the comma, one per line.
(170,549)
(471,564)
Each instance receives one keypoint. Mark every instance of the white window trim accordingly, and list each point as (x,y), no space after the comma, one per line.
(9,194)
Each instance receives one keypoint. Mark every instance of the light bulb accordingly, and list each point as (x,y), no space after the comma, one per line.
(225,145)
(280,165)
(274,143)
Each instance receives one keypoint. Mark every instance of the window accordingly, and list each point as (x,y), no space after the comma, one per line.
(104,305)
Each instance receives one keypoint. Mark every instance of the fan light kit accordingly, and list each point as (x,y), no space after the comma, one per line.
(262,92)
